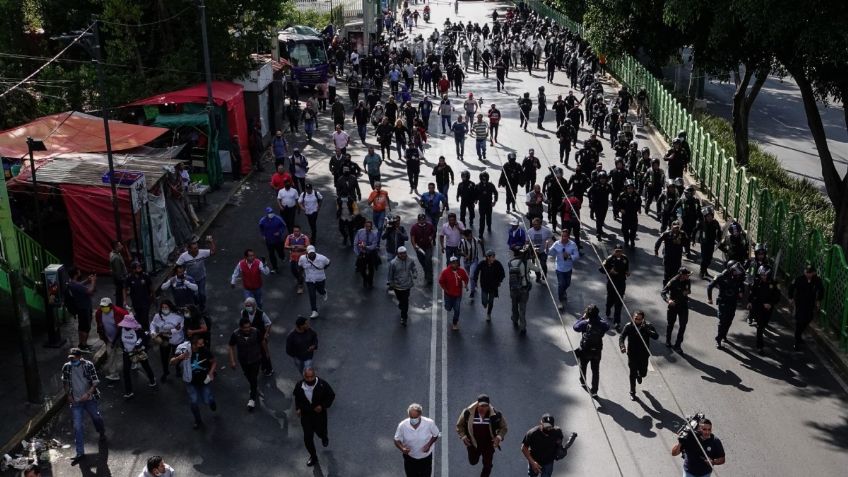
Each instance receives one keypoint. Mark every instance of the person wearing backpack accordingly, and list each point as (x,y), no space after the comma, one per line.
(519,288)
(593,329)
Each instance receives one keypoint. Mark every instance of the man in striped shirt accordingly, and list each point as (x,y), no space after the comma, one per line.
(480,131)
(470,249)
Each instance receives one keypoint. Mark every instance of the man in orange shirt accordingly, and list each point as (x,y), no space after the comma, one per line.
(296,244)
(379,202)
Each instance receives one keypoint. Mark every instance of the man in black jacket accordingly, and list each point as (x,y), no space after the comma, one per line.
(489,274)
(637,335)
(301,344)
(676,295)
(312,398)
(466,195)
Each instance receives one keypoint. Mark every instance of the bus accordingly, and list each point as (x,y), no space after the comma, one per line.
(304,49)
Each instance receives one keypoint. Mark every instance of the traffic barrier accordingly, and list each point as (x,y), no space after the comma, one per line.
(735,193)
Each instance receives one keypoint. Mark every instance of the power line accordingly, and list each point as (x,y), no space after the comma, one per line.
(40,68)
(140,25)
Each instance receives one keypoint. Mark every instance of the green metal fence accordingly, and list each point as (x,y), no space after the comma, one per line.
(736,193)
(34,258)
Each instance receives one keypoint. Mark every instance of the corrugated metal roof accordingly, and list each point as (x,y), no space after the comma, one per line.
(89,168)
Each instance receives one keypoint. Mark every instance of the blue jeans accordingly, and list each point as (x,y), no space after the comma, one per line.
(481,147)
(315,288)
(471,269)
(302,364)
(547,470)
(77,411)
(379,218)
(460,146)
(309,128)
(452,303)
(363,131)
(563,282)
(256,294)
(451,252)
(446,120)
(198,393)
(201,292)
(389,257)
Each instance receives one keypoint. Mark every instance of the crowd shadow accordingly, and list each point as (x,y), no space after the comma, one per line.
(627,420)
(716,375)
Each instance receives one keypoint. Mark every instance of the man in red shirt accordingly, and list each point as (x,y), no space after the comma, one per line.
(444,86)
(452,280)
(422,236)
(279,179)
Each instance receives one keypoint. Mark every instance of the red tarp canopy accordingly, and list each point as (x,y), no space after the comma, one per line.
(224,94)
(92,220)
(74,132)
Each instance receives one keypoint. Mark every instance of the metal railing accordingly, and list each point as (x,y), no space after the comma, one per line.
(735,192)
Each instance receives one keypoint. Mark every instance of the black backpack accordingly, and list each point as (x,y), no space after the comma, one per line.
(593,338)
(518,279)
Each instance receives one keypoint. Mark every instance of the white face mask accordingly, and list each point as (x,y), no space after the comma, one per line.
(270,216)
(165,311)
(414,420)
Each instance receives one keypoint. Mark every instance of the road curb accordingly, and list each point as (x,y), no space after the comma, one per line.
(54,404)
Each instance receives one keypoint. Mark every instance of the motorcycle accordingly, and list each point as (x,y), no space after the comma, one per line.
(427,16)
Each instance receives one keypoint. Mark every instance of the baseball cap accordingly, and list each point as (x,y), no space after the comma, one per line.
(269,210)
(75,352)
(547,421)
(310,249)
(483,398)
(684,271)
(454,258)
(490,253)
(401,250)
(105,301)
(619,247)
(514,221)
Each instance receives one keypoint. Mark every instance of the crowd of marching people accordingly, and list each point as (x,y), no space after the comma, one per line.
(394,90)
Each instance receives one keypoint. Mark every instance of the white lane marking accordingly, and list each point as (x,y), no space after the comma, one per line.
(434,323)
(445,428)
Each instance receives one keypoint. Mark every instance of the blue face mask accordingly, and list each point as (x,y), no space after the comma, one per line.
(76,362)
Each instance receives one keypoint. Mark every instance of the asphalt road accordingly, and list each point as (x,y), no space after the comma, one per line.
(778,124)
(782,414)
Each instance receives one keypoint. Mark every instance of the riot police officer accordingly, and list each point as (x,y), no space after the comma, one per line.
(599,197)
(690,211)
(676,295)
(617,267)
(735,244)
(653,181)
(487,197)
(530,165)
(707,233)
(761,301)
(629,204)
(731,286)
(525,104)
(673,241)
(668,203)
(618,176)
(511,178)
(466,195)
(542,105)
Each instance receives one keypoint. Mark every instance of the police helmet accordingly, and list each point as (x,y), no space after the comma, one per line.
(646,149)
(676,141)
(602,174)
(764,270)
(678,182)
(511,156)
(690,189)
(760,247)
(619,159)
(634,144)
(559,171)
(707,210)
(527,95)
(629,183)
(681,134)
(655,160)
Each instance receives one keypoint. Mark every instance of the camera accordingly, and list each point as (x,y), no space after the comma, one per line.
(691,426)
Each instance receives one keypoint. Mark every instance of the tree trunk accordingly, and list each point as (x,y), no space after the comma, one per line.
(739,115)
(834,184)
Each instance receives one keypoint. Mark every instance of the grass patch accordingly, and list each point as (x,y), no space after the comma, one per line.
(800,195)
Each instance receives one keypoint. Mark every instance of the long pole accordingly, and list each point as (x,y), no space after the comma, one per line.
(104,106)
(207,68)
(31,376)
(39,237)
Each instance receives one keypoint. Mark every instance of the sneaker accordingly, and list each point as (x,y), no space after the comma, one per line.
(718,345)
(639,379)
(325,297)
(678,348)
(594,394)
(251,405)
(488,318)
(455,327)
(300,290)
(273,271)
(312,461)
(632,396)
(403,322)
(152,384)
(129,395)
(77,459)
(113,377)
(617,328)
(325,441)
(197,425)
(314,314)
(561,307)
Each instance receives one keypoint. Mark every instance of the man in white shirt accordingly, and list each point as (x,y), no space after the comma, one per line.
(313,265)
(341,139)
(287,200)
(310,203)
(194,260)
(156,467)
(415,437)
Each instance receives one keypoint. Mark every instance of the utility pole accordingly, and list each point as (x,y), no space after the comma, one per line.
(104,106)
(31,376)
(207,68)
(34,145)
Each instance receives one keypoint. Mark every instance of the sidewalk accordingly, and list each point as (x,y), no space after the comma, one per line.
(23,419)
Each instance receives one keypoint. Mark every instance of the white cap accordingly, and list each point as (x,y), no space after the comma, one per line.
(310,249)
(105,301)
(514,221)
(401,250)
(454,258)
